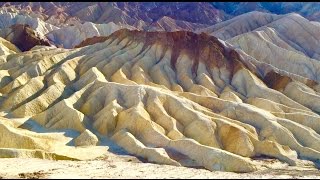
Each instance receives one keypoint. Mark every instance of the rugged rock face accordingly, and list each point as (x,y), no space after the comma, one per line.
(168,24)
(69,37)
(121,12)
(92,40)
(11,18)
(310,10)
(288,42)
(67,24)
(7,47)
(23,37)
(176,98)
(86,138)
(62,13)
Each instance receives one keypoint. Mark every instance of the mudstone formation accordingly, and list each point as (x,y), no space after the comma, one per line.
(216,98)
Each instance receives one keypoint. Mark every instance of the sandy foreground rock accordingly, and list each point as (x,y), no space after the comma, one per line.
(130,167)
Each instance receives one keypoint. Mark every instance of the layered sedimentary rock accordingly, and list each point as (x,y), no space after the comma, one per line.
(155,16)
(71,36)
(8,19)
(23,37)
(310,10)
(92,40)
(120,12)
(16,23)
(168,24)
(175,98)
(7,48)
(67,13)
(288,42)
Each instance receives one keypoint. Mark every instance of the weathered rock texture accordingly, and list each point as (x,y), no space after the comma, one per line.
(176,98)
(27,30)
(129,13)
(310,10)
(287,42)
(71,36)
(8,18)
(23,37)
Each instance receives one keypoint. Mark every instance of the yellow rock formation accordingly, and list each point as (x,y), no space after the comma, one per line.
(154,96)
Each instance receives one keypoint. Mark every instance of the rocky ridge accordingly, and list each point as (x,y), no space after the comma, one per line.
(176,98)
(287,42)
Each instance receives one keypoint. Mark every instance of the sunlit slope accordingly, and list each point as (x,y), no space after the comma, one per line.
(174,98)
(288,42)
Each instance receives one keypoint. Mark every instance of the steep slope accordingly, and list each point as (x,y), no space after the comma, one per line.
(175,98)
(23,37)
(61,13)
(7,48)
(91,41)
(69,37)
(124,13)
(66,37)
(193,12)
(8,19)
(142,14)
(240,24)
(237,8)
(309,10)
(288,42)
(48,12)
(168,24)
(70,34)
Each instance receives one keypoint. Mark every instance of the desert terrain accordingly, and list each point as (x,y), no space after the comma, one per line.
(144,90)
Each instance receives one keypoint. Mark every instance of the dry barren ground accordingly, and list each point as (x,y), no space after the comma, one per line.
(130,167)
